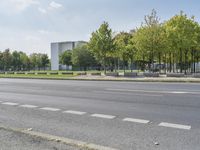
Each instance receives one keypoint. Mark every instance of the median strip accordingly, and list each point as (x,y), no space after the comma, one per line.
(178,126)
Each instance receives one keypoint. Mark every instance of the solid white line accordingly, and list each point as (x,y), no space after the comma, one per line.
(50,109)
(9,103)
(74,112)
(103,116)
(147,91)
(136,120)
(171,125)
(28,106)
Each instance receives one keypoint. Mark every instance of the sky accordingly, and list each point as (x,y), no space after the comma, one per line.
(31,25)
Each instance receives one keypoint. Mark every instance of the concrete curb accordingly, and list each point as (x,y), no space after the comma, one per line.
(63,140)
(117,79)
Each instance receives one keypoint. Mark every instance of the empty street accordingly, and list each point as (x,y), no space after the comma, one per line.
(118,115)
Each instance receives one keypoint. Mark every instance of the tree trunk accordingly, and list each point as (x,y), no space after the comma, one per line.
(124,66)
(170,62)
(181,61)
(165,63)
(185,64)
(173,62)
(105,64)
(159,57)
(131,64)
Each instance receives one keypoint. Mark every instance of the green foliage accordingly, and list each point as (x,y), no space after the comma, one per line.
(19,61)
(101,44)
(82,57)
(66,58)
(124,47)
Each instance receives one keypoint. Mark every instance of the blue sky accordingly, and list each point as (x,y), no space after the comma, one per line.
(31,25)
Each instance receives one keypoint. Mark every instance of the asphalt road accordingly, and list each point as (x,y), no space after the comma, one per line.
(16,141)
(121,115)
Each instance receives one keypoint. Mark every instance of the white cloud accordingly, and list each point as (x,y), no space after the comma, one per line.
(54,5)
(42,10)
(32,38)
(21,5)
(44,32)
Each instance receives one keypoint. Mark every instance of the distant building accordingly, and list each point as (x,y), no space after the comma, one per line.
(58,48)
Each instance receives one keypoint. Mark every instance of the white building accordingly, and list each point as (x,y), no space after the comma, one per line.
(58,48)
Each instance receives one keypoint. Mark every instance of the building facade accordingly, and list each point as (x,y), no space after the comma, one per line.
(58,48)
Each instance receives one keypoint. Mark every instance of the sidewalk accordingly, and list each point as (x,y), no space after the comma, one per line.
(112,78)
(10,140)
(137,79)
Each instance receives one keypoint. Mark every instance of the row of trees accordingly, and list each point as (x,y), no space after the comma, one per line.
(18,61)
(81,58)
(173,45)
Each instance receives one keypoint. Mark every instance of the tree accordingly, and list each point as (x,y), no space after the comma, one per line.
(150,39)
(122,44)
(7,59)
(33,61)
(182,34)
(16,62)
(101,44)
(66,58)
(25,61)
(82,57)
(1,61)
(44,60)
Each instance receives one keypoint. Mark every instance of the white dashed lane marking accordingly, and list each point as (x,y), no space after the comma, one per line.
(28,106)
(10,103)
(163,124)
(50,109)
(178,126)
(179,92)
(136,120)
(74,112)
(103,116)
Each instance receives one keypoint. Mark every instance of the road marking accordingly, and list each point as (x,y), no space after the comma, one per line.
(149,91)
(74,112)
(135,94)
(9,103)
(179,92)
(136,120)
(103,116)
(171,125)
(50,109)
(28,106)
